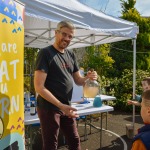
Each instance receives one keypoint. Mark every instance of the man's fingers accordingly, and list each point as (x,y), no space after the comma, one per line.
(73,114)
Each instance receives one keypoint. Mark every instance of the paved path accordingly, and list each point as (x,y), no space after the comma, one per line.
(115,137)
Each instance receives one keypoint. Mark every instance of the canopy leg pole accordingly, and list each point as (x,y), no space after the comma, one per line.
(134,79)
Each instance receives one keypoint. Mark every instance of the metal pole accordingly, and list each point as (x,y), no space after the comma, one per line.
(101,126)
(134,79)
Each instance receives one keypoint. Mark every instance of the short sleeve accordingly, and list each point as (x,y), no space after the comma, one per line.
(76,67)
(42,61)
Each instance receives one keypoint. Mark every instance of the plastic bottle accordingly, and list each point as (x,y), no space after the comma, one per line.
(32,109)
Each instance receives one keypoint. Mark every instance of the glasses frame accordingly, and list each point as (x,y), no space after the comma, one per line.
(64,34)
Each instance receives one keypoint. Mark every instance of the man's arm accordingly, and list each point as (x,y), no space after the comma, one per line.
(39,81)
(79,80)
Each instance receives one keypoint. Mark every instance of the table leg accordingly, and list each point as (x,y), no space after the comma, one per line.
(90,123)
(27,136)
(85,129)
(30,132)
(106,119)
(101,130)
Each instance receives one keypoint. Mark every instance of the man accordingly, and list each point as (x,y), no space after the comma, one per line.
(55,69)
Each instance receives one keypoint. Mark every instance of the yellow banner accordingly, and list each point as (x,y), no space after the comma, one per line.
(11,75)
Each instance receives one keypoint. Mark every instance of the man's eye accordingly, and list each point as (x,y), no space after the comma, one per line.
(70,37)
(64,34)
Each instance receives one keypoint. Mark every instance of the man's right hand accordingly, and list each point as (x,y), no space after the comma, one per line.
(69,111)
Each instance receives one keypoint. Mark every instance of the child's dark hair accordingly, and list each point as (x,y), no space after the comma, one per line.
(146,97)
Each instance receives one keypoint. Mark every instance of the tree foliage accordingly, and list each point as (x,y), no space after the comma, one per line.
(123,87)
(30,55)
(127,5)
(122,52)
(97,57)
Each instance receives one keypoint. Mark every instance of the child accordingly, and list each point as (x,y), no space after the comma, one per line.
(145,86)
(142,140)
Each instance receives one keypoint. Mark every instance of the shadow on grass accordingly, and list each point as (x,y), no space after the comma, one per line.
(129,116)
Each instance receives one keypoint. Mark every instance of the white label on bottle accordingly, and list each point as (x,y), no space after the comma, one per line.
(32,110)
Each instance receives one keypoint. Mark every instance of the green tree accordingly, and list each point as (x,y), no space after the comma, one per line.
(123,87)
(143,38)
(30,55)
(127,5)
(122,52)
(97,57)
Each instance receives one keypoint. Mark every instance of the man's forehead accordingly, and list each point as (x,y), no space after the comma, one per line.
(68,31)
(67,28)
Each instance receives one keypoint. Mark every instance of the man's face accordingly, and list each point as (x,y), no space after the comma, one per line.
(63,37)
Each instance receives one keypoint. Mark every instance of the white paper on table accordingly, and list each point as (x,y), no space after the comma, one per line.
(77,95)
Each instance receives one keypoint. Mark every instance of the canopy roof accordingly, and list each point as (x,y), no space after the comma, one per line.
(93,27)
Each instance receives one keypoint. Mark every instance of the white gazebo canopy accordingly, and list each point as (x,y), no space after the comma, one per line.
(93,27)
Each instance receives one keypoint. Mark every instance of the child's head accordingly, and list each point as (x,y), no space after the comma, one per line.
(145,106)
(146,83)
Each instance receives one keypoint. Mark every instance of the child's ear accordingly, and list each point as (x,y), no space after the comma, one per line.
(148,110)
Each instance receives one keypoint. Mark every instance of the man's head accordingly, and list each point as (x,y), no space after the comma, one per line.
(63,34)
(66,24)
(146,83)
(145,106)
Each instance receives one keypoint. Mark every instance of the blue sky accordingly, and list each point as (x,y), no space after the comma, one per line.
(113,7)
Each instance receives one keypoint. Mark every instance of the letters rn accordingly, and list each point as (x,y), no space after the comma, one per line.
(9,105)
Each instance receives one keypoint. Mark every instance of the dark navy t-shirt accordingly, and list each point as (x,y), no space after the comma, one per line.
(59,68)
